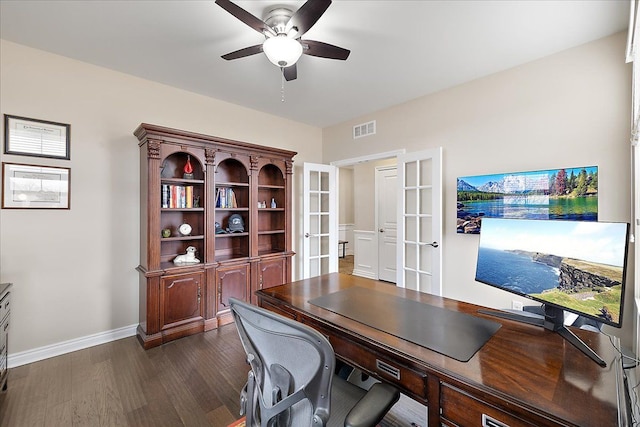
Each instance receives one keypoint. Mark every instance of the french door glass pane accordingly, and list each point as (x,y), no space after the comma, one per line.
(411,255)
(425,172)
(314,246)
(411,174)
(411,202)
(324,241)
(425,201)
(314,202)
(314,267)
(314,179)
(410,280)
(426,236)
(314,224)
(425,282)
(325,224)
(425,258)
(324,206)
(324,181)
(411,228)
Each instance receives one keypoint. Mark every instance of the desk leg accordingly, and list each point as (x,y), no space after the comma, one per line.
(433,401)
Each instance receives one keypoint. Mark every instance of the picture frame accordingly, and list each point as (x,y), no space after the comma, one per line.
(35,187)
(38,138)
(562,194)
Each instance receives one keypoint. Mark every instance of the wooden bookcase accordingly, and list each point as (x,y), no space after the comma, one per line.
(182,299)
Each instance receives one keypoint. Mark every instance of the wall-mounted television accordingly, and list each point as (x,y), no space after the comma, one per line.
(575,266)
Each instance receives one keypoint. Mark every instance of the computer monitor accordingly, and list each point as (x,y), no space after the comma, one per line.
(575,266)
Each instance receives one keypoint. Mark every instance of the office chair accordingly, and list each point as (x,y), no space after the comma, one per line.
(292,380)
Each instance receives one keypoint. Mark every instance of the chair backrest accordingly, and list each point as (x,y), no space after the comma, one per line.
(291,369)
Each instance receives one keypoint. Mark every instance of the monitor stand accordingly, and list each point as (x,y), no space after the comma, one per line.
(552,320)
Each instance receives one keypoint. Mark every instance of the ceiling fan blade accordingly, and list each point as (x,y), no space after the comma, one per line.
(257,24)
(324,50)
(308,14)
(241,53)
(290,73)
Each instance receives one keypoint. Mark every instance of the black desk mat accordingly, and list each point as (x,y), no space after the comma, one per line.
(453,334)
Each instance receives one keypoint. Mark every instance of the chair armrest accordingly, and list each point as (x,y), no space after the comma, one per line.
(373,406)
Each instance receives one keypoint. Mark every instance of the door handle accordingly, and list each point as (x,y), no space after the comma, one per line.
(307,235)
(432,244)
(381,230)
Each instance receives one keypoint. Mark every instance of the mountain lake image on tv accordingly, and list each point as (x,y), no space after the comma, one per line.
(577,266)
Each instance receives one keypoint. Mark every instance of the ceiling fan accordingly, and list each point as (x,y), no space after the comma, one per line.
(283,30)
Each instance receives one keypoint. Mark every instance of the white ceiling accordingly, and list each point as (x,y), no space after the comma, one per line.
(400,50)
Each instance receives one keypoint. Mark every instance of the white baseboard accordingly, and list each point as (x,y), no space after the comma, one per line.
(364,273)
(41,353)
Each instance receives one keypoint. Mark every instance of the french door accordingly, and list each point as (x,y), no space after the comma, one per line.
(419,260)
(320,222)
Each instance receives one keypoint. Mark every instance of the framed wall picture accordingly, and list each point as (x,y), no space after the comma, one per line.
(38,138)
(35,187)
(562,194)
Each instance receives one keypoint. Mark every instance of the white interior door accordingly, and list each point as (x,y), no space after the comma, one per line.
(320,223)
(419,259)
(386,221)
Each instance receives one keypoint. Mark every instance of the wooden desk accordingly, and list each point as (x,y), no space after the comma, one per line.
(523,376)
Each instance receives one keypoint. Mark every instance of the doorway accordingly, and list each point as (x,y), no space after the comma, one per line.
(358,220)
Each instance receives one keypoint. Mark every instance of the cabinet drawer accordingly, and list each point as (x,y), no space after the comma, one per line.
(4,306)
(377,364)
(4,335)
(465,410)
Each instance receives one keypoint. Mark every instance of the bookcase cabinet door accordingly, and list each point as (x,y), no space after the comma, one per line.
(272,273)
(181,299)
(232,282)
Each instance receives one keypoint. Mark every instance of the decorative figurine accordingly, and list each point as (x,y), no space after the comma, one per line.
(187,258)
(188,169)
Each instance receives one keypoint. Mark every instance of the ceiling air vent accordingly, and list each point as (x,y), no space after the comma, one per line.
(364,129)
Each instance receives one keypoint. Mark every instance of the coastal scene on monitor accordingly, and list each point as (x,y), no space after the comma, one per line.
(562,194)
(578,265)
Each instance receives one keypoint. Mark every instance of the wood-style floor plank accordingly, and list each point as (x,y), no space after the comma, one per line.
(194,381)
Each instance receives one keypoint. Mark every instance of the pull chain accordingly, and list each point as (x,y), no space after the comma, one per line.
(282,84)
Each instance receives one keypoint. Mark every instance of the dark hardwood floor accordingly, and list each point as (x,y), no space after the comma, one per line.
(194,381)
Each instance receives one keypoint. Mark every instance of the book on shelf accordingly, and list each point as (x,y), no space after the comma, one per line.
(165,195)
(189,196)
(226,198)
(177,196)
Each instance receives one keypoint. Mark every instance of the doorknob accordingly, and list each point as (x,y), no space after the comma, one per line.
(434,244)
(381,230)
(307,235)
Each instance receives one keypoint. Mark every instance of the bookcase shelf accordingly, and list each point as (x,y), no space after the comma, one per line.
(182,176)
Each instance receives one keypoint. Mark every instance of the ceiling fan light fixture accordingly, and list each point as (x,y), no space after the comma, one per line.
(282,51)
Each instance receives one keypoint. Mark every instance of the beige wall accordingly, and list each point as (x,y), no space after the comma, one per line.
(74,271)
(569,109)
(345,203)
